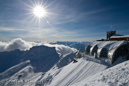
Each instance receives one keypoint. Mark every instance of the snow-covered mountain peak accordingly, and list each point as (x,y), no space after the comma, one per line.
(62,49)
(38,59)
(55,65)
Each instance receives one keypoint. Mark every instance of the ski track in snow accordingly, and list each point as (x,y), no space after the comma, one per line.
(89,68)
(88,71)
(77,75)
(83,70)
(115,76)
(66,77)
(92,71)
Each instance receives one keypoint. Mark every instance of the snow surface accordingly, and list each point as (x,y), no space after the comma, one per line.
(52,65)
(75,72)
(125,36)
(62,49)
(38,56)
(65,76)
(114,76)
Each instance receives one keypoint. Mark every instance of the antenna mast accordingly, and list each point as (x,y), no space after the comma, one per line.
(111,27)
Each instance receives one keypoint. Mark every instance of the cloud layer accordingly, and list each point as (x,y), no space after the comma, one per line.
(17,43)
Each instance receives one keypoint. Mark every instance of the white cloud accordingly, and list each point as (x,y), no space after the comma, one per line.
(22,45)
(17,43)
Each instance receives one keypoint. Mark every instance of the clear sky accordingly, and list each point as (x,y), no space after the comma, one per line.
(65,20)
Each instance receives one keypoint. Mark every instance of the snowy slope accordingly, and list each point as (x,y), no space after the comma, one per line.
(11,71)
(9,59)
(29,77)
(32,64)
(114,76)
(87,71)
(56,76)
(38,54)
(52,65)
(75,72)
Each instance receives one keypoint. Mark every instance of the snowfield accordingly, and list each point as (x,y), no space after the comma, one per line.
(75,72)
(114,76)
(51,64)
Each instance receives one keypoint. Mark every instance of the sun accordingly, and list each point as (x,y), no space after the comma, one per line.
(39,11)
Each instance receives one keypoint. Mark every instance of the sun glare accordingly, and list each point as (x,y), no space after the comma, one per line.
(39,11)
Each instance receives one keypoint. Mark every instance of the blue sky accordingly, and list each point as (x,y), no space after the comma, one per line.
(67,20)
